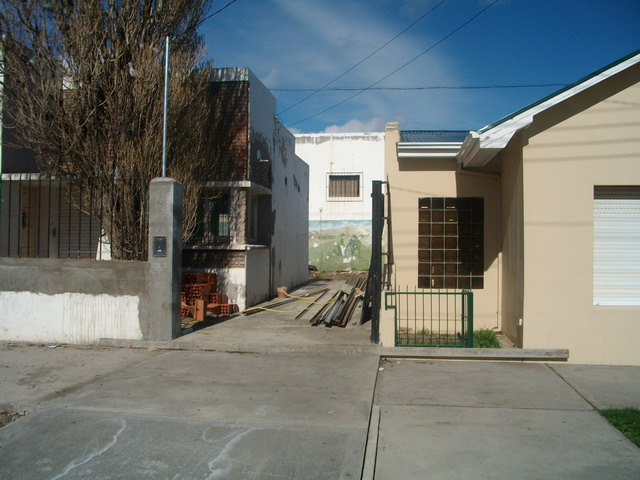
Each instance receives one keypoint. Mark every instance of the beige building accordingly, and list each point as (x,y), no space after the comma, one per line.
(542,214)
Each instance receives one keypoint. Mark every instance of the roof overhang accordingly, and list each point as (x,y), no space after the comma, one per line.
(481,146)
(428,149)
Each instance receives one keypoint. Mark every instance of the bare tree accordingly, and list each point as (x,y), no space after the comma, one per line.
(85,78)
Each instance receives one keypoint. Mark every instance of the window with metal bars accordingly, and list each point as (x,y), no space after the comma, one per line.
(213,220)
(451,242)
(344,187)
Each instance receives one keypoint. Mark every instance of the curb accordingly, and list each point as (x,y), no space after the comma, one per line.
(512,354)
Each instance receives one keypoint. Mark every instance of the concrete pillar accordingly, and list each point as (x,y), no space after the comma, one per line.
(165,258)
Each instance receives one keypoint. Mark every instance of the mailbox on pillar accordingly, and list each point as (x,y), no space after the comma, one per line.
(159,246)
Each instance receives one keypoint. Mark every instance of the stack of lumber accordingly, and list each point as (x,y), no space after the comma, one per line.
(342,302)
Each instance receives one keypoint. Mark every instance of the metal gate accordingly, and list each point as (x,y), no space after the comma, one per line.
(432,318)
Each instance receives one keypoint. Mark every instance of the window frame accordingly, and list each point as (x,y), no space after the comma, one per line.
(213,216)
(451,243)
(344,198)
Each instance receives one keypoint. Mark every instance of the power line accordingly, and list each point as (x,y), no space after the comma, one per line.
(360,62)
(399,68)
(442,87)
(216,12)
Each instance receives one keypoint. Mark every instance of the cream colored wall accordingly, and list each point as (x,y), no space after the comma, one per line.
(561,165)
(411,179)
(512,299)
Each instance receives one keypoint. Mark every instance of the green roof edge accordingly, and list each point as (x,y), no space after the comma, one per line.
(558,92)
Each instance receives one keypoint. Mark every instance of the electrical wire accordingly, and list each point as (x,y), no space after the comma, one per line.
(216,12)
(442,87)
(399,68)
(360,62)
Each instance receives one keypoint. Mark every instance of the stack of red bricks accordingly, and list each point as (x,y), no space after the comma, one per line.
(198,296)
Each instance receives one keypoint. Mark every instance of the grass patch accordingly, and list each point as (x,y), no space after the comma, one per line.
(627,420)
(485,338)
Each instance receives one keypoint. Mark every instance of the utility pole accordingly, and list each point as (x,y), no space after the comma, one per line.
(166,109)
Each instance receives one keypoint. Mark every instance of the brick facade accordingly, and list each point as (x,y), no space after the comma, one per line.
(229,139)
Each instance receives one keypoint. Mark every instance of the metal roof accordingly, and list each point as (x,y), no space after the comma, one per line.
(481,146)
(558,93)
(432,136)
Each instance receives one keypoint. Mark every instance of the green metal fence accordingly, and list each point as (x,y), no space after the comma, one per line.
(432,318)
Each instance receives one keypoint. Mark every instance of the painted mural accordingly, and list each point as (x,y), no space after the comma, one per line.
(340,244)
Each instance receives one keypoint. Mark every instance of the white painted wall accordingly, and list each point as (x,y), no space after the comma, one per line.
(262,116)
(233,283)
(335,153)
(257,277)
(76,318)
(290,204)
(340,231)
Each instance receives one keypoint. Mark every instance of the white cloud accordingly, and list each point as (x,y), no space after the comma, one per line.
(374,125)
(295,131)
(271,80)
(307,43)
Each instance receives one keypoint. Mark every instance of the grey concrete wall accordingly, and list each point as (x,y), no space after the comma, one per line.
(72,301)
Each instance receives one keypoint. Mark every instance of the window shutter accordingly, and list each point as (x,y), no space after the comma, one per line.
(616,246)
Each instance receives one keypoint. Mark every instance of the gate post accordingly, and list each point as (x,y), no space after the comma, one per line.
(375,268)
(165,258)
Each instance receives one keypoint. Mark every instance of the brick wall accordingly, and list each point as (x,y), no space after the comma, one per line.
(229,120)
(213,259)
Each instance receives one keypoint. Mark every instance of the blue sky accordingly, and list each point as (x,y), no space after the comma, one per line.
(304,44)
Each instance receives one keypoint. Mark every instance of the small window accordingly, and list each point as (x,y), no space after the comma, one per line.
(344,187)
(213,220)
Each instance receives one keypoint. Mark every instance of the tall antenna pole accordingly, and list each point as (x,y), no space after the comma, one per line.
(166,109)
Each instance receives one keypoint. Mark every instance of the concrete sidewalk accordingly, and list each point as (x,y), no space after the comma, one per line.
(462,420)
(144,413)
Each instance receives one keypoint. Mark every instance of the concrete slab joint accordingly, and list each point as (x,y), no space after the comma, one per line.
(165,258)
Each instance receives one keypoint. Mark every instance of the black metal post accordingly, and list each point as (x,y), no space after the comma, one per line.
(375,269)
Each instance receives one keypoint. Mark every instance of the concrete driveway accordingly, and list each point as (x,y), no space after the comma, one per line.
(120,413)
(184,415)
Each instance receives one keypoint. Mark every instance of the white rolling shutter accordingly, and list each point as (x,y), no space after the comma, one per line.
(616,246)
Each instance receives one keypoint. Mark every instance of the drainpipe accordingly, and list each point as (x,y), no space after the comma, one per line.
(497,179)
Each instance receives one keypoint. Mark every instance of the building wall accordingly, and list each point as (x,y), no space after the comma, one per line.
(598,146)
(228,142)
(512,241)
(262,131)
(268,187)
(290,207)
(256,278)
(413,178)
(340,231)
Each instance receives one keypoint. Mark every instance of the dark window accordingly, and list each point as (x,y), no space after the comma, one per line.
(451,242)
(214,217)
(344,187)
